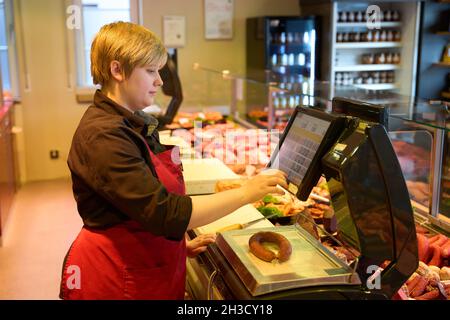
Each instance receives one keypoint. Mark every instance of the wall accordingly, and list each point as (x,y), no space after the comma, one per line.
(49,112)
(215,54)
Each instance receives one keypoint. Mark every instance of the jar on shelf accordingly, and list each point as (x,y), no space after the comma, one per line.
(290,37)
(390,35)
(396,58)
(396,15)
(343,16)
(351,36)
(389,57)
(383,35)
(357,37)
(383,77)
(359,16)
(369,36)
(351,16)
(390,77)
(397,35)
(345,37)
(283,37)
(368,80)
(339,37)
(376,36)
(380,58)
(338,78)
(388,15)
(376,77)
(367,58)
(359,80)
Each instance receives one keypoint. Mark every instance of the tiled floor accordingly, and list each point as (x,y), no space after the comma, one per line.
(43,223)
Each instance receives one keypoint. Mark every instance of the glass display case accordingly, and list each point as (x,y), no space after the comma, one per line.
(419,131)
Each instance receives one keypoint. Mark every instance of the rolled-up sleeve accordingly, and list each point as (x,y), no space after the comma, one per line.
(115,168)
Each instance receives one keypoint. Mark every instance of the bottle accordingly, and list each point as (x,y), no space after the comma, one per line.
(388,15)
(359,16)
(291,59)
(274,59)
(301,59)
(395,15)
(351,16)
(284,59)
(343,16)
(283,37)
(383,36)
(390,36)
(290,38)
(339,37)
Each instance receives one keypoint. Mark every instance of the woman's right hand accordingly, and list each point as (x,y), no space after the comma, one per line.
(264,183)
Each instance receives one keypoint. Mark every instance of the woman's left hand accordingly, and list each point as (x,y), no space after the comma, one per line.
(198,245)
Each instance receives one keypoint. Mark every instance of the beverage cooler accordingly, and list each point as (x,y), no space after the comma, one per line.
(282,51)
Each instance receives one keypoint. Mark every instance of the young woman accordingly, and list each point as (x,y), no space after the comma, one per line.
(129,191)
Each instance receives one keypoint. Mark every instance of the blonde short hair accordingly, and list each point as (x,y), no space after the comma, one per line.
(130,44)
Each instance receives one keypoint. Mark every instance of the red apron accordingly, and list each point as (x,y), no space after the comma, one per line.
(125,261)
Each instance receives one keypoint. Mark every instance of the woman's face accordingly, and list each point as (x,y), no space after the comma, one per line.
(140,88)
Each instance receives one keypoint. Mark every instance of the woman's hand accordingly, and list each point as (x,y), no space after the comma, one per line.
(199,244)
(264,183)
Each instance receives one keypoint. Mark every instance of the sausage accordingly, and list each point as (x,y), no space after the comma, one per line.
(445,250)
(419,288)
(433,294)
(422,247)
(412,282)
(441,240)
(436,258)
(255,243)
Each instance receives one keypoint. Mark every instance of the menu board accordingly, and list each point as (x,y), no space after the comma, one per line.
(299,148)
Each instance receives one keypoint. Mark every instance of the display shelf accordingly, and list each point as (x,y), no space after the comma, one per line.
(378,86)
(367,67)
(442,64)
(387,24)
(360,45)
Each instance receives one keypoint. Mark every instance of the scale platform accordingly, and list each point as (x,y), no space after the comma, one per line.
(310,264)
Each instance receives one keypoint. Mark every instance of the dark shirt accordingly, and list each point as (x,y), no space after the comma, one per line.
(113,177)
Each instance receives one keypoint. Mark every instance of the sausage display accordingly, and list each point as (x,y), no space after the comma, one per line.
(256,246)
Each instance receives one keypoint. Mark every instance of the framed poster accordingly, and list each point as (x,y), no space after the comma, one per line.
(174,30)
(219,19)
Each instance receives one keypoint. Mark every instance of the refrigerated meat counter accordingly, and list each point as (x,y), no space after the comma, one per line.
(372,208)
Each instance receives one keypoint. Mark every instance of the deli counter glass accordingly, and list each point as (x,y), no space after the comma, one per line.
(216,102)
(419,130)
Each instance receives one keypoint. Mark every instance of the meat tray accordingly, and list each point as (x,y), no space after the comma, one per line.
(311,264)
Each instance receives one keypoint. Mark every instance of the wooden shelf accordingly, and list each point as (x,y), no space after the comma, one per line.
(386,24)
(367,67)
(358,45)
(442,64)
(378,86)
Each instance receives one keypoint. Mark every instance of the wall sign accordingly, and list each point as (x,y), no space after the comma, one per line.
(219,19)
(174,31)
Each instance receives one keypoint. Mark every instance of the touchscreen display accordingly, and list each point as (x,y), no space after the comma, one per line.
(299,148)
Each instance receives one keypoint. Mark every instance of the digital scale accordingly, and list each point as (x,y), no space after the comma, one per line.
(372,208)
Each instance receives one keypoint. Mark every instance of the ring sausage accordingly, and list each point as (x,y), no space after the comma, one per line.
(255,243)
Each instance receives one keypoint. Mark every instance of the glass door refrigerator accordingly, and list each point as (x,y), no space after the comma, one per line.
(281,52)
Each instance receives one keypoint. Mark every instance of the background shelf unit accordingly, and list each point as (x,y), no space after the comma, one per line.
(377,86)
(366,67)
(363,24)
(362,45)
(347,56)
(432,73)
